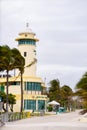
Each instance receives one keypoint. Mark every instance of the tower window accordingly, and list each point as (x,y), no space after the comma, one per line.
(25,54)
(33,86)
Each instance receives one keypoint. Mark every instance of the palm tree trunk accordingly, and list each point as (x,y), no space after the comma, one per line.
(7,92)
(21,93)
(4,107)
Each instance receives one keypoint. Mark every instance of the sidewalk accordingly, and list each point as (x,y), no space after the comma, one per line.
(62,121)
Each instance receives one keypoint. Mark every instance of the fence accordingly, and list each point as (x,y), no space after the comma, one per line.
(13,116)
(5,117)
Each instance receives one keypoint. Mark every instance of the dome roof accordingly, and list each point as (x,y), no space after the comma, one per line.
(28,34)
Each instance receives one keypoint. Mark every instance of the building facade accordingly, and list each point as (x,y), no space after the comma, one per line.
(34,97)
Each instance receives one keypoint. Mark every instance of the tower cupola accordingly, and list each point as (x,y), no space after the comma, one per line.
(27,46)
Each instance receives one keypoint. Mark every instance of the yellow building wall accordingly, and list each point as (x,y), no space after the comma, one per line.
(29,49)
(17,106)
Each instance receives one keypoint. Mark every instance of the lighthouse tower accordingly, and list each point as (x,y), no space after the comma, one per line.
(27,47)
(34,88)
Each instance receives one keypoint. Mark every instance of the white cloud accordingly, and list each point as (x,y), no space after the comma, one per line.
(56,67)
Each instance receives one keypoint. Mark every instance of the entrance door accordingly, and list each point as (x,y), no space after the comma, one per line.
(41,105)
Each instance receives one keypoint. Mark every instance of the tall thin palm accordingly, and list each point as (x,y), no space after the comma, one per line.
(21,68)
(19,63)
(21,72)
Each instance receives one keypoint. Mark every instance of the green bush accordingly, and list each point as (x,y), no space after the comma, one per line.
(49,108)
(17,115)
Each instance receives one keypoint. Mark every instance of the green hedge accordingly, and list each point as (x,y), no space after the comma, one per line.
(17,116)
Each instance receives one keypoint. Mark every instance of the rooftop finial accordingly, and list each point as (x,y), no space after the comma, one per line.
(27,28)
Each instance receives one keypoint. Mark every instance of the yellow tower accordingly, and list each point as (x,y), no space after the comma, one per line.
(27,47)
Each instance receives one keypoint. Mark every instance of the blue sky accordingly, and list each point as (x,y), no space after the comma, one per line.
(60,25)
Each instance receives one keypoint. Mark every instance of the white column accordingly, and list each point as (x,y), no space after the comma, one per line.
(36,105)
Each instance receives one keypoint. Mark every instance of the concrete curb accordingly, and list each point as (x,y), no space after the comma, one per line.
(83,118)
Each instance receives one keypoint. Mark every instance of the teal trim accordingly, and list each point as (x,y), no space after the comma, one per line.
(41,104)
(32,86)
(27,41)
(2,88)
(25,85)
(30,104)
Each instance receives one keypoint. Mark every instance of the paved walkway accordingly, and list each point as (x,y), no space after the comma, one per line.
(65,121)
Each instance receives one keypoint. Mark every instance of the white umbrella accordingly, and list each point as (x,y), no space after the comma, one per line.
(53,103)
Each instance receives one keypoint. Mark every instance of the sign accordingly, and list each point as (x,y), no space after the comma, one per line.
(41,96)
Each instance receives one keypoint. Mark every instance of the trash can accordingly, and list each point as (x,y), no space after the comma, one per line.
(42,112)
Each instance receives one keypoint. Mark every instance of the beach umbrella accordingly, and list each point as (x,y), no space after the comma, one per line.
(53,103)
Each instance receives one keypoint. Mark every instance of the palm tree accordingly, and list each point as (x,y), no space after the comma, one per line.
(54,90)
(66,96)
(21,60)
(81,89)
(9,60)
(19,63)
(21,69)
(6,63)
